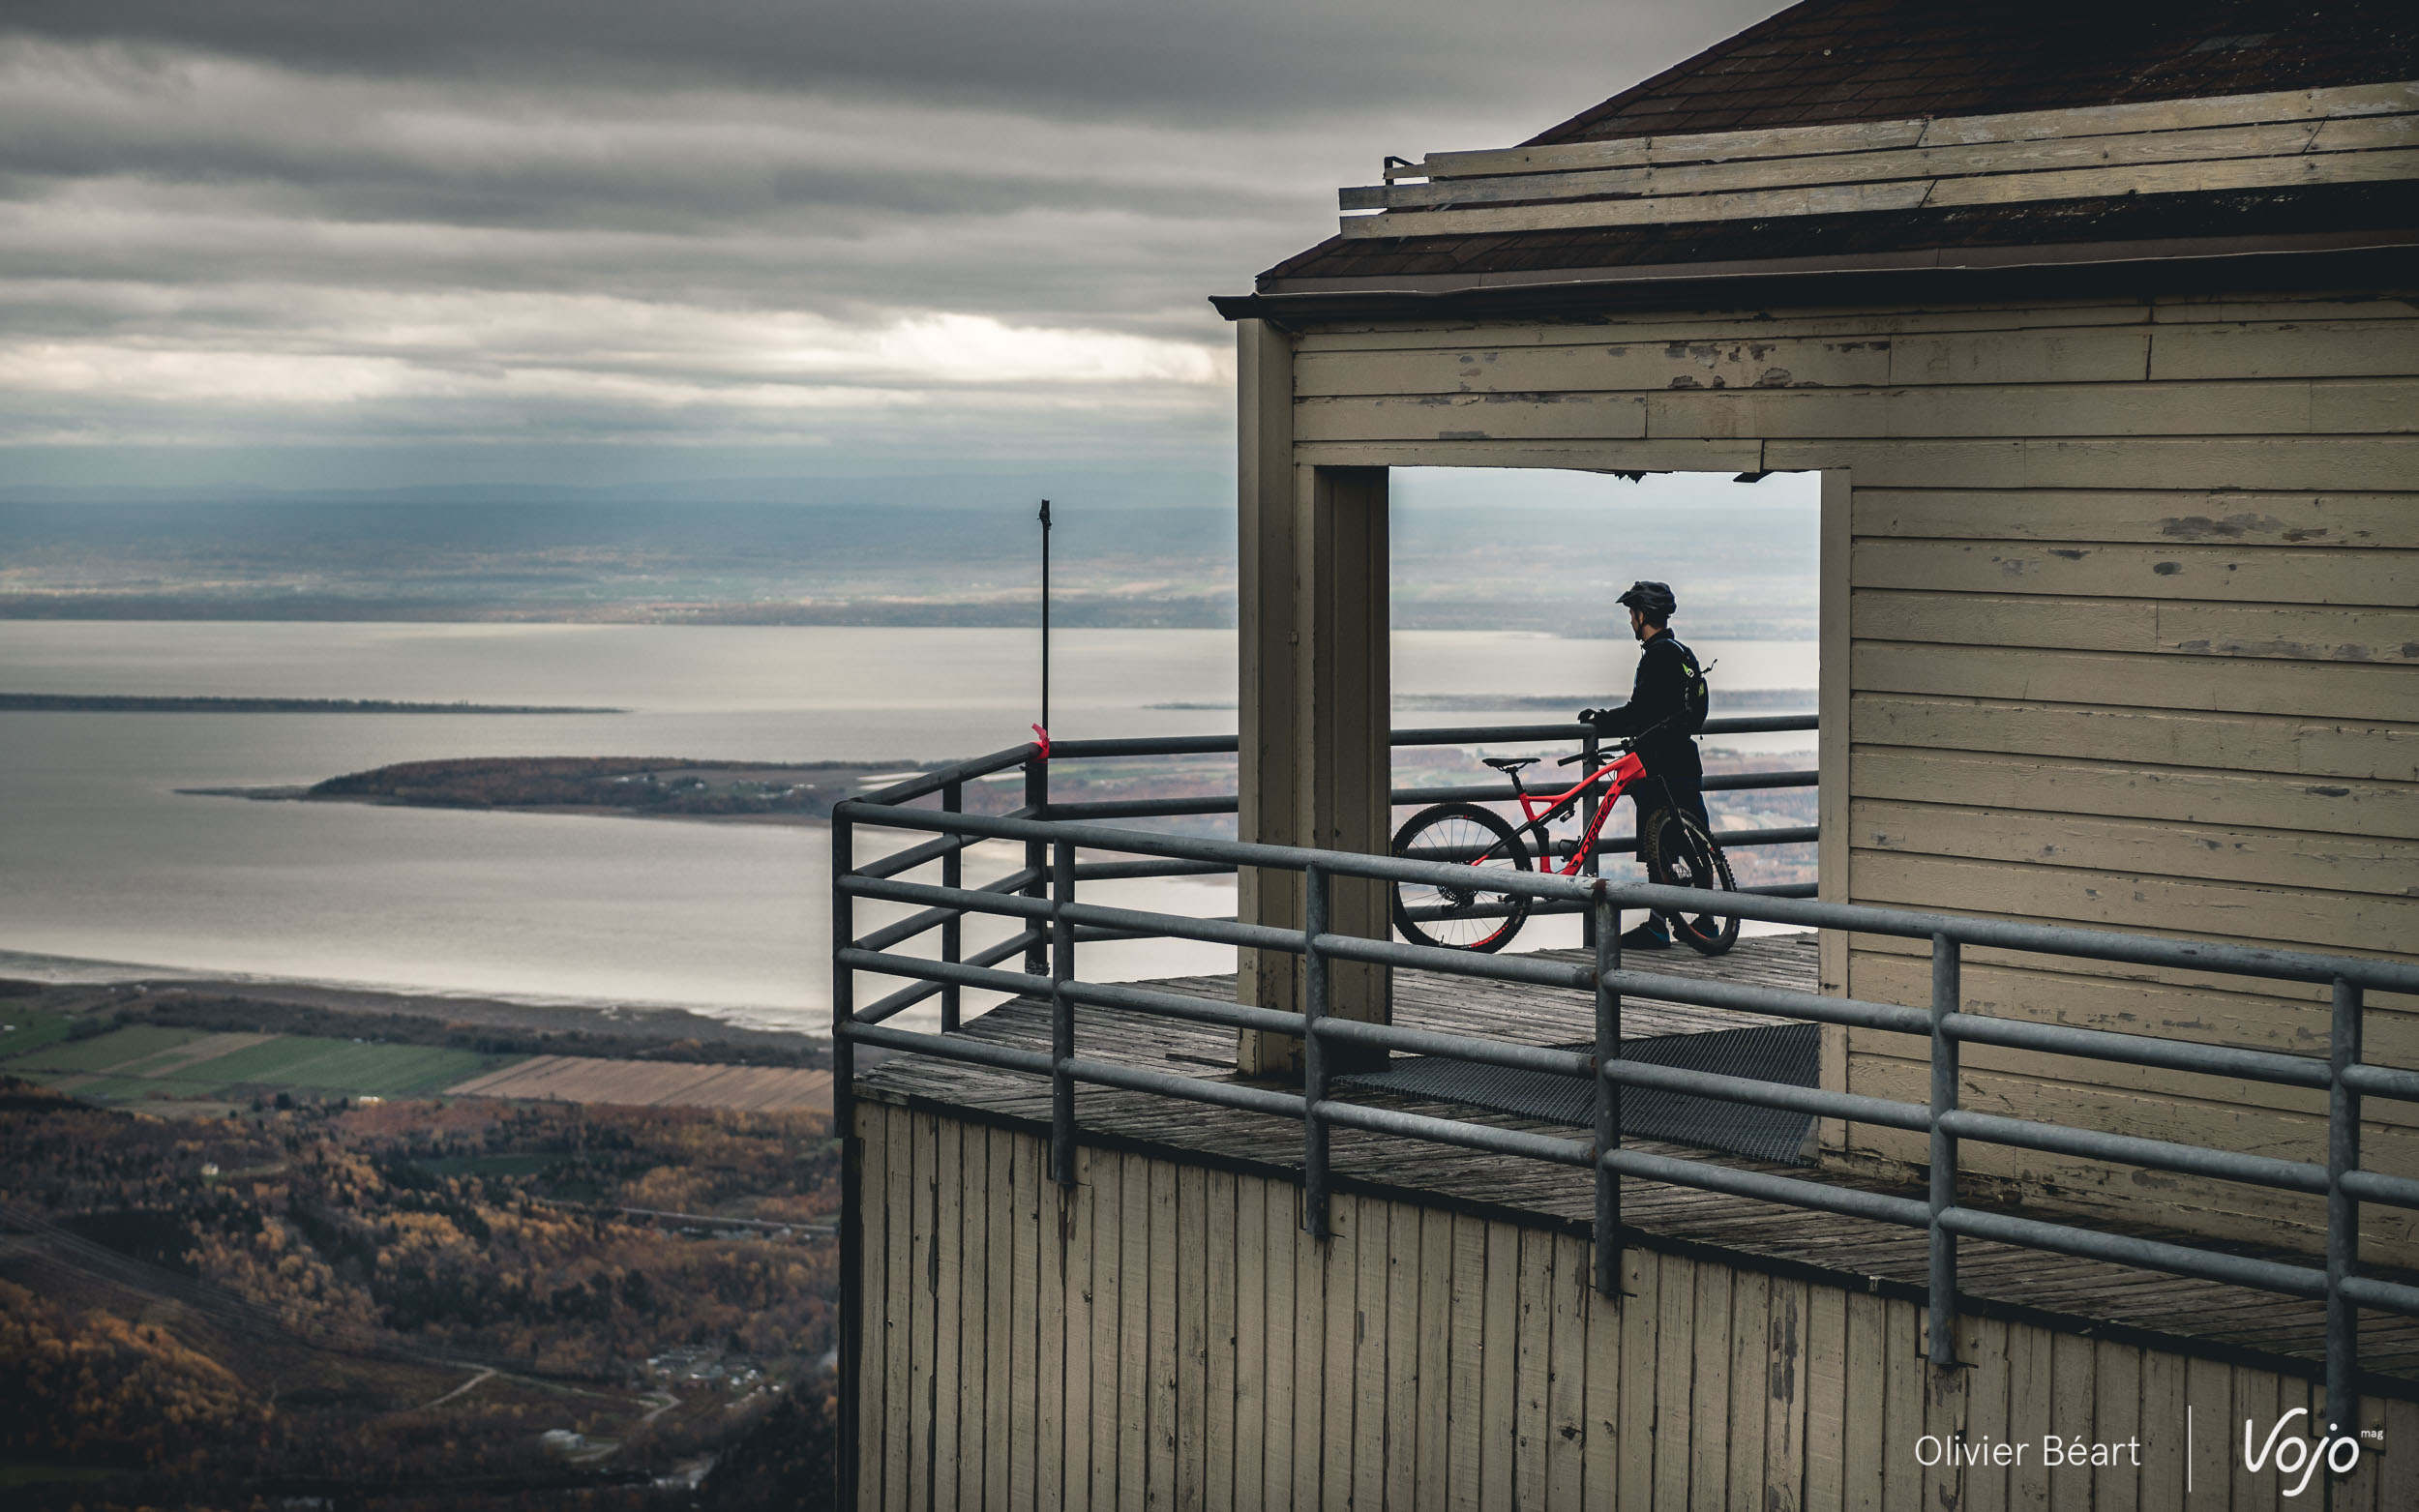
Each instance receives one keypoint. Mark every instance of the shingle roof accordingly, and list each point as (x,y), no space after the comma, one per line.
(1831,61)
(1838,61)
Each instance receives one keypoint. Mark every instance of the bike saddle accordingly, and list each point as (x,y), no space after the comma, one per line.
(1508,763)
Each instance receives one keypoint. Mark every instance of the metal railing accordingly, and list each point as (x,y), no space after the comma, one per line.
(1042,896)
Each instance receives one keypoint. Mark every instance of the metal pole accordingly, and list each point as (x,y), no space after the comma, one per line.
(851,1164)
(952,875)
(1061,1014)
(1943,1278)
(1045,613)
(1036,854)
(1587,757)
(1314,1055)
(1605,921)
(2342,1215)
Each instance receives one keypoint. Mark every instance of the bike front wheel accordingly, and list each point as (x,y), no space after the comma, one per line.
(1460,916)
(1677,853)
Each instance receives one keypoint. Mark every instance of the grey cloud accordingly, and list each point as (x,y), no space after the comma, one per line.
(726,224)
(1158,59)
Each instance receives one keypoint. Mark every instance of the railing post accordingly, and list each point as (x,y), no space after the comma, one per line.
(1590,924)
(1061,1014)
(851,1158)
(2342,1215)
(1942,1281)
(1314,1055)
(1604,923)
(1036,854)
(952,872)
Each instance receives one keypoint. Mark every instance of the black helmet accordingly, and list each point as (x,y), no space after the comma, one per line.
(1654,600)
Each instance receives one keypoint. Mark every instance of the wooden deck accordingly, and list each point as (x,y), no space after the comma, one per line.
(2063,1292)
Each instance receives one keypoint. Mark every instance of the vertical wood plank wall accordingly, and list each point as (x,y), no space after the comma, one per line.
(2132,642)
(1166,1336)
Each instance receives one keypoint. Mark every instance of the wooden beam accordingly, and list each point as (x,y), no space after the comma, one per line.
(1846,199)
(2157,115)
(2280,139)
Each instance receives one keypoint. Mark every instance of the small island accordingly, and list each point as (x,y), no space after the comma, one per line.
(646,787)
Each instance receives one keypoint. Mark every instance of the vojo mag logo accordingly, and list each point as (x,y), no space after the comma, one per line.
(2295,1456)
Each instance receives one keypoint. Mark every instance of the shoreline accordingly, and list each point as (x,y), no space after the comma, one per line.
(599,811)
(134,703)
(224,1002)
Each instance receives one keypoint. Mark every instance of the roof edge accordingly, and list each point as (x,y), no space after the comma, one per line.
(2324,258)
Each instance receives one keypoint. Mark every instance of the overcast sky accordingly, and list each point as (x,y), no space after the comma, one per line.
(383,242)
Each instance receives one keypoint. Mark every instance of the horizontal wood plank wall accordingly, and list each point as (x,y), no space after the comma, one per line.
(2132,643)
(1188,1345)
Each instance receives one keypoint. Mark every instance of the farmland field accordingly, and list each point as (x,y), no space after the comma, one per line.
(24,1033)
(269,1063)
(106,1052)
(148,1063)
(135,1065)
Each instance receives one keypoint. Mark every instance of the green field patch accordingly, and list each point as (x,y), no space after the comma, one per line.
(24,1033)
(400,1070)
(111,1051)
(270,1063)
(338,1068)
(297,1064)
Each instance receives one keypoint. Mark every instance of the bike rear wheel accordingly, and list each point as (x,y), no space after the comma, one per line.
(1677,853)
(1458,917)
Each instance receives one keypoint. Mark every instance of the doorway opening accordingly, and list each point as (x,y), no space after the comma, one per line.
(1502,590)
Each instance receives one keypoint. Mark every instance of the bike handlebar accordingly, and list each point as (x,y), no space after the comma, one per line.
(1617,748)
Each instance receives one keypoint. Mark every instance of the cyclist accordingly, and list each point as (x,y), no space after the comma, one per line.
(1666,708)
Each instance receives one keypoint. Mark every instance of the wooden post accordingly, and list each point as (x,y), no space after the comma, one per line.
(1314,768)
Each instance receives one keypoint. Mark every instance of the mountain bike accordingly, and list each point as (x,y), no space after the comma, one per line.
(1675,849)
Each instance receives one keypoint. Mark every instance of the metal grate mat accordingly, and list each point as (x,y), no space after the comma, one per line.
(1785,1053)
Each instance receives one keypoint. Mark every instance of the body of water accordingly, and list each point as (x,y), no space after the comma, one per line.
(103,859)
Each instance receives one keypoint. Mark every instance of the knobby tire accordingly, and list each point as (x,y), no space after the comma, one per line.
(1679,853)
(1474,836)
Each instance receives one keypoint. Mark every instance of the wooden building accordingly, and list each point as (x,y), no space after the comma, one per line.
(2099,327)
(2103,340)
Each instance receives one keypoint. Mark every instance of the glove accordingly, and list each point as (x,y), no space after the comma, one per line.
(1587,716)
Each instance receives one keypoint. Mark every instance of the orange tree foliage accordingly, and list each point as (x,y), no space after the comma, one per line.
(92,1385)
(487,1233)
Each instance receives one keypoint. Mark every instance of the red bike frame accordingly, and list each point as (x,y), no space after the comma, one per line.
(1537,812)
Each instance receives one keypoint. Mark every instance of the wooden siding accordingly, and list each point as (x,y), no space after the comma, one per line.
(1164,1335)
(2131,640)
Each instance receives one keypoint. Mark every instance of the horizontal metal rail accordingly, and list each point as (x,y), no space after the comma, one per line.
(909,996)
(1504,792)
(908,929)
(1795,1192)
(1541,735)
(932,782)
(1122,871)
(2055,939)
(1041,897)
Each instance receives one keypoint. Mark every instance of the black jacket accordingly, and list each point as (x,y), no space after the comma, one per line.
(1667,703)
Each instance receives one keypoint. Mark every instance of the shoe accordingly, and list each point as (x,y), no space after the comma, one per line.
(1647,937)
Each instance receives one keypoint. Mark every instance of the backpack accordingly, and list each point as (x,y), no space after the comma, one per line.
(1698,696)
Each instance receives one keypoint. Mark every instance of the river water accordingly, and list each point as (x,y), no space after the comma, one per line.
(103,860)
